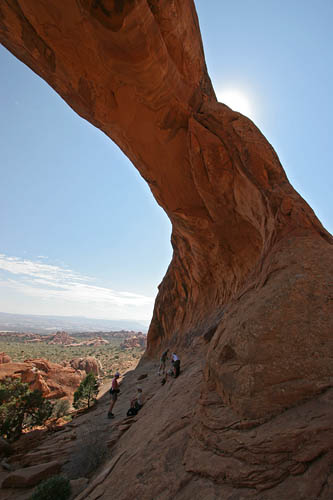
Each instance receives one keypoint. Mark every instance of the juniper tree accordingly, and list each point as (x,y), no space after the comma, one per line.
(86,393)
(20,407)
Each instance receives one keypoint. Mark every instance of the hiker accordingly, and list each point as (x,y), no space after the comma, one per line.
(176,364)
(114,391)
(174,371)
(136,403)
(163,360)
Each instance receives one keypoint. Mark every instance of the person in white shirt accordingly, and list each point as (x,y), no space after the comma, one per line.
(176,364)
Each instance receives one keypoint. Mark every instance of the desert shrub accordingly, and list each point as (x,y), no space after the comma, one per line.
(60,408)
(87,392)
(20,408)
(54,488)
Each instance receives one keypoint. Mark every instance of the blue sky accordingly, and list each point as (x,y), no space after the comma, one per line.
(81,232)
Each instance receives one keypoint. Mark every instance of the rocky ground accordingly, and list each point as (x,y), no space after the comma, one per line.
(88,433)
(89,438)
(184,444)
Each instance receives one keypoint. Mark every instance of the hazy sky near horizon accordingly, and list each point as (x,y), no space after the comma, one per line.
(81,232)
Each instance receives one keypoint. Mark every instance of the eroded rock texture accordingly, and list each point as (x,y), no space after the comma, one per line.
(251,267)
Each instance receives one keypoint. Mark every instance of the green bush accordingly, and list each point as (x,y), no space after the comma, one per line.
(54,488)
(20,408)
(60,408)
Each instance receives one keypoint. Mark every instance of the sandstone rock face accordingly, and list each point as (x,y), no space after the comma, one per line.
(53,380)
(249,280)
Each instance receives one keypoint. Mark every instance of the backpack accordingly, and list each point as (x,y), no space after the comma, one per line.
(131,412)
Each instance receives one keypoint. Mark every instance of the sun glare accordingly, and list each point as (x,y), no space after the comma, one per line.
(236,100)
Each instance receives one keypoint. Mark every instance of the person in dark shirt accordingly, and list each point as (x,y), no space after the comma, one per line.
(163,360)
(114,391)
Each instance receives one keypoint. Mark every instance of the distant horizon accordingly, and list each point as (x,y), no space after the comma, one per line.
(50,323)
(75,316)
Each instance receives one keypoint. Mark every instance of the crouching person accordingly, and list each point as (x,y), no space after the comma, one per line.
(136,403)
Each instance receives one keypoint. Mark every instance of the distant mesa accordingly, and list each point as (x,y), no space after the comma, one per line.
(61,338)
(90,342)
(58,338)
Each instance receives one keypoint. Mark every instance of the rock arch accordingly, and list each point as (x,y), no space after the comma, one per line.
(249,279)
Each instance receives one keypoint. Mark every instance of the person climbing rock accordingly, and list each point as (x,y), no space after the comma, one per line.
(176,364)
(163,360)
(114,391)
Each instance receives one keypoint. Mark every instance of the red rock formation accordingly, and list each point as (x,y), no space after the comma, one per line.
(60,338)
(138,341)
(4,358)
(88,365)
(53,380)
(251,266)
(97,341)
(94,342)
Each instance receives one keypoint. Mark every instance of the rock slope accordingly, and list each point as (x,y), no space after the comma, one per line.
(251,267)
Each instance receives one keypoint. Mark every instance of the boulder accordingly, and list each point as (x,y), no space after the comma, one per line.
(31,476)
(88,365)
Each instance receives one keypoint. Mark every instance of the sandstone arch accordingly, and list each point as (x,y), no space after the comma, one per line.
(250,273)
